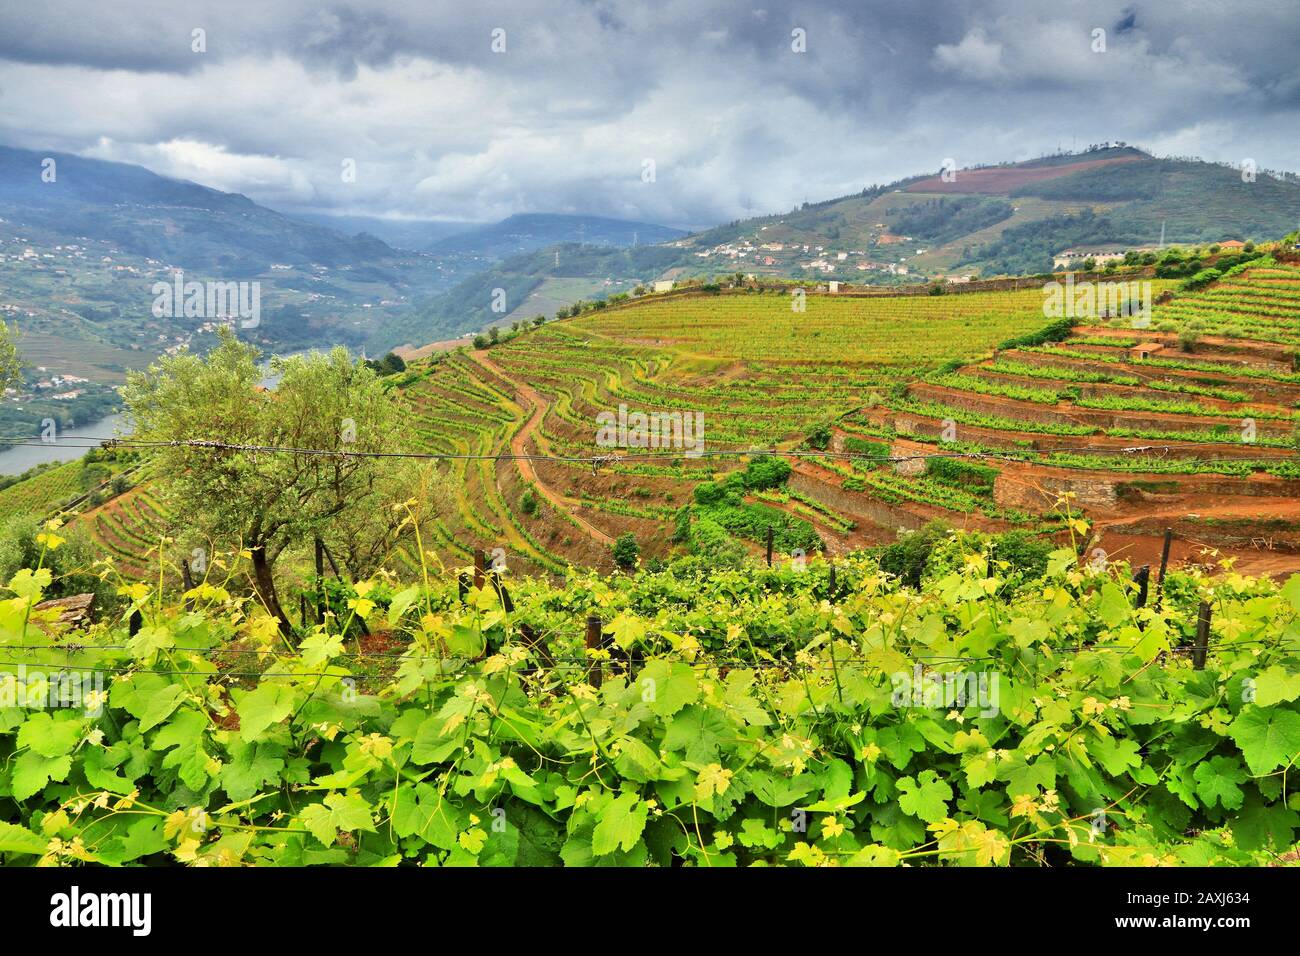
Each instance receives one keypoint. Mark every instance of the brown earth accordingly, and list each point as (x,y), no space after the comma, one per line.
(519,447)
(409,353)
(1004,180)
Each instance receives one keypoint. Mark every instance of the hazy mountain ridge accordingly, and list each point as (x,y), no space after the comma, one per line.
(993,219)
(528,231)
(127,227)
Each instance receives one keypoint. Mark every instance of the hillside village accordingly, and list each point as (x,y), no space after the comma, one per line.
(781,258)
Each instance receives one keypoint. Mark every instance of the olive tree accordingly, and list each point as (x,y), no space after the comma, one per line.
(11,365)
(327,410)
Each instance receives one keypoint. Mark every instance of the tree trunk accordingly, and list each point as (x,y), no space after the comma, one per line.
(265,584)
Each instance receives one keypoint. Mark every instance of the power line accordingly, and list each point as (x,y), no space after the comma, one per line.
(615,459)
(708,662)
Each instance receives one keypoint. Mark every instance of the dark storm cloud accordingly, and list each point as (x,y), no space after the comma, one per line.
(585,92)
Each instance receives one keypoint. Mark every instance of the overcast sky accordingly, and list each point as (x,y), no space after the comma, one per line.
(735,120)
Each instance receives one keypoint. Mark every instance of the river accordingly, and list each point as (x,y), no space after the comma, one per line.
(17,459)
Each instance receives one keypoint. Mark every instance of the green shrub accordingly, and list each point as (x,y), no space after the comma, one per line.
(711,543)
(626,551)
(1200,280)
(709,493)
(906,558)
(871,449)
(819,437)
(1026,554)
(969,476)
(1057,331)
(766,471)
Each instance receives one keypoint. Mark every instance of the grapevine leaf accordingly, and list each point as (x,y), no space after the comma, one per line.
(31,772)
(924,796)
(668,687)
(183,730)
(1277,685)
(150,640)
(756,834)
(16,839)
(626,629)
(981,769)
(320,647)
(1216,781)
(421,811)
(1113,606)
(741,703)
(873,854)
(636,761)
(50,737)
(252,765)
(699,732)
(30,584)
(1268,737)
(98,765)
(148,697)
(620,825)
(1115,755)
(1023,777)
(261,708)
(401,603)
(1258,825)
(340,811)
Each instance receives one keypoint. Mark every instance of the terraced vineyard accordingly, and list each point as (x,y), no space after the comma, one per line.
(43,492)
(761,375)
(130,529)
(61,485)
(1261,304)
(1081,417)
(1061,417)
(835,330)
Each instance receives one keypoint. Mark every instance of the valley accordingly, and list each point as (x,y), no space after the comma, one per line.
(969,409)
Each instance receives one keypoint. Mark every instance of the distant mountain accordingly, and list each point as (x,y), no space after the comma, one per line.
(81,252)
(174,220)
(415,234)
(529,231)
(1013,217)
(522,286)
(84,242)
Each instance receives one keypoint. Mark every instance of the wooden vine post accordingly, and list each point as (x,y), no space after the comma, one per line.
(771,536)
(479,567)
(1202,646)
(1143,580)
(1164,563)
(595,630)
(320,581)
(187,580)
(323,554)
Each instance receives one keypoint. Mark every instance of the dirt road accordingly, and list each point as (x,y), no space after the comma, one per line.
(519,447)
